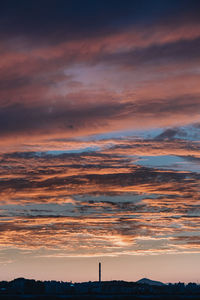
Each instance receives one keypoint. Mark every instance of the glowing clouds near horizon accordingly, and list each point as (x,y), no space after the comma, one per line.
(118,206)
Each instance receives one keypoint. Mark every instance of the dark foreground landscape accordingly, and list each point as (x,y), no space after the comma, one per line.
(143,289)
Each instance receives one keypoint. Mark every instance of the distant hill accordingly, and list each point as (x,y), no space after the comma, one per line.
(150,282)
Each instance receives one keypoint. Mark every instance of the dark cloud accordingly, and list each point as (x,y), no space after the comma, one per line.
(73,19)
(66,117)
(168,134)
(186,51)
(187,133)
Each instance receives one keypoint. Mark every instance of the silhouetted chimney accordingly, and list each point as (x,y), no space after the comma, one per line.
(99,272)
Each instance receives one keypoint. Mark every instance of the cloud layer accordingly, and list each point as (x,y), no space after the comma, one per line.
(105,197)
(61,76)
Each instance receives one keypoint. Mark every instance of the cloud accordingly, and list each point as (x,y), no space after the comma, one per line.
(65,117)
(131,65)
(169,134)
(157,54)
(73,20)
(93,203)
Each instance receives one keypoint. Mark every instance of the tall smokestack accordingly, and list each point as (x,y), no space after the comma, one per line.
(99,272)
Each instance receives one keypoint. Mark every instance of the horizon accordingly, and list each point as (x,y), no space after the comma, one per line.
(100,139)
(73,282)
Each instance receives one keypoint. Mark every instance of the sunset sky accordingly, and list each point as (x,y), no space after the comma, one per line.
(100,139)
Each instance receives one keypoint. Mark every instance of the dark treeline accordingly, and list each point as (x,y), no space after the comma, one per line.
(25,288)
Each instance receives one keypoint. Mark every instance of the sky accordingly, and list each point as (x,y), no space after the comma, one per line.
(100,139)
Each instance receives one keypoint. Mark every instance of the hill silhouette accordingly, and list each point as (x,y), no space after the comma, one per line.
(150,282)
